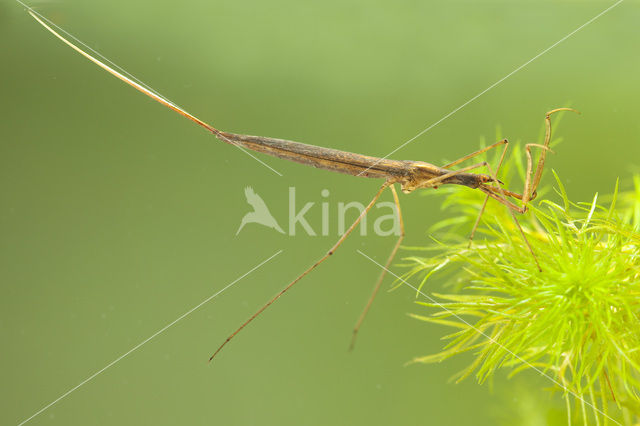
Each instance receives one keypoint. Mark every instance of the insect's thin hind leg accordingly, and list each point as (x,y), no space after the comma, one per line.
(376,287)
(311,268)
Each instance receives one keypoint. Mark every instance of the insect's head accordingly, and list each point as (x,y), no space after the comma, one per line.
(473,180)
(485,179)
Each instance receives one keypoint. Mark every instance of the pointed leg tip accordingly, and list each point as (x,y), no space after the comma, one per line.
(352,345)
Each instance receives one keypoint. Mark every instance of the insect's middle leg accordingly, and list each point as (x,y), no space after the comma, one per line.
(504,142)
(376,287)
(434,181)
(474,154)
(497,193)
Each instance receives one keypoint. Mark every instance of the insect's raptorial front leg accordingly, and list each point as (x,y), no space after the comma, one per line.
(532,179)
(497,193)
(531,188)
(547,140)
(309,269)
(376,287)
(504,142)
(503,198)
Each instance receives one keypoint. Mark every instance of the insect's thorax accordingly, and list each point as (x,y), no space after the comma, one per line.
(425,175)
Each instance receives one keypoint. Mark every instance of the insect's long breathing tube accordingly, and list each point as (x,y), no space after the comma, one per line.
(153,95)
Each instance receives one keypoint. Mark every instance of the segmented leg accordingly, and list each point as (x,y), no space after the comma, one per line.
(376,287)
(498,193)
(474,154)
(515,220)
(486,198)
(547,139)
(430,183)
(311,268)
(378,284)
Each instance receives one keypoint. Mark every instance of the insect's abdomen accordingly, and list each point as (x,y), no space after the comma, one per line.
(323,158)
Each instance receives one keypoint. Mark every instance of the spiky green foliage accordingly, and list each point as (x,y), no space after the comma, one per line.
(629,202)
(577,321)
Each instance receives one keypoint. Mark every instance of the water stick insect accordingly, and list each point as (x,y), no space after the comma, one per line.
(410,175)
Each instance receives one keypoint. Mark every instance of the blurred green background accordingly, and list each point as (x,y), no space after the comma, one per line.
(117,216)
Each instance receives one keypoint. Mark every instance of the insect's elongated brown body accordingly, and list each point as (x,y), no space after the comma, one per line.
(411,175)
(406,172)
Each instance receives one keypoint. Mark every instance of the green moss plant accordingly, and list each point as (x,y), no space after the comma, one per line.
(576,322)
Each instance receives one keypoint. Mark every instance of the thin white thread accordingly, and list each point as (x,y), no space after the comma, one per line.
(492,86)
(88,379)
(491,339)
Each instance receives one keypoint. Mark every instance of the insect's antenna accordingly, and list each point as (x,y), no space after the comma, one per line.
(153,95)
